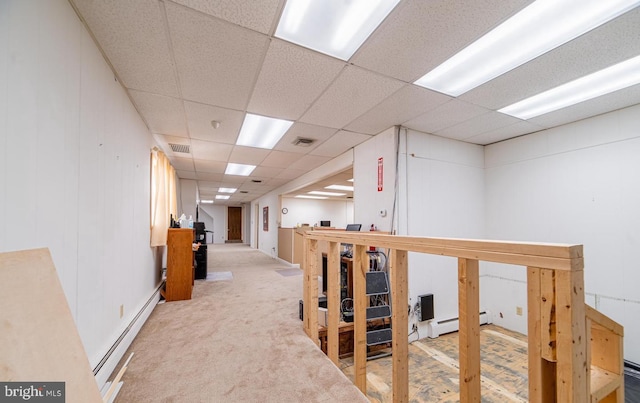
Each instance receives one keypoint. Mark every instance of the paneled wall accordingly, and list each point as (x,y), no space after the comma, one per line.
(578,183)
(74,168)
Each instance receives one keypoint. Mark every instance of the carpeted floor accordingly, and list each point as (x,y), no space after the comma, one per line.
(236,340)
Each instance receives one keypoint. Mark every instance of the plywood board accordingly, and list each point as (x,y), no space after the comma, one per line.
(39,341)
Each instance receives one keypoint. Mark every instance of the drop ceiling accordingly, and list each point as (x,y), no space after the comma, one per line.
(186,63)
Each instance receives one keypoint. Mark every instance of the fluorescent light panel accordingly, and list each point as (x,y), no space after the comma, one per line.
(538,28)
(319,193)
(239,169)
(311,197)
(227,190)
(206,201)
(339,187)
(613,78)
(222,197)
(336,28)
(261,131)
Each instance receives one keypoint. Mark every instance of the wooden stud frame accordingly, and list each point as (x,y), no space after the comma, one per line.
(575,352)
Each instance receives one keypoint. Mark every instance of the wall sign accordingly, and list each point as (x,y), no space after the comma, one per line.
(380,174)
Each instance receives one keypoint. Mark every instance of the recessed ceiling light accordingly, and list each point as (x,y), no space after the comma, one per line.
(613,78)
(317,192)
(206,201)
(227,190)
(222,197)
(239,169)
(336,28)
(538,28)
(340,187)
(261,131)
(311,197)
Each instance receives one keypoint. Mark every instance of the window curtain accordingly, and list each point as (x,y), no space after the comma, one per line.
(163,197)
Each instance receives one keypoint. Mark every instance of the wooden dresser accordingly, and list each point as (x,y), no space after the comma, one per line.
(180,274)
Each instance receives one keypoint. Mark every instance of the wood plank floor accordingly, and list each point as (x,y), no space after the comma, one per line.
(433,369)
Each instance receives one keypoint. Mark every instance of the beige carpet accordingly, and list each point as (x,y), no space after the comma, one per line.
(237,340)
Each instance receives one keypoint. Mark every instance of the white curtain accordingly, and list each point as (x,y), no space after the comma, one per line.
(163,197)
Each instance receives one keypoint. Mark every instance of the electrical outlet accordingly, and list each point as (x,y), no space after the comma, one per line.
(519,310)
(414,328)
(121,311)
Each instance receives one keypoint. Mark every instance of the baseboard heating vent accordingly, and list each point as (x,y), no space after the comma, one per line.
(444,326)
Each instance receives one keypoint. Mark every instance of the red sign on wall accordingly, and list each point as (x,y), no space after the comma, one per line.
(380,174)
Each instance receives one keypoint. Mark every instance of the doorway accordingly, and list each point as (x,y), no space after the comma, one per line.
(234,223)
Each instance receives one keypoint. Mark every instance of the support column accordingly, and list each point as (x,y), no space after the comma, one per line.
(333,301)
(400,325)
(469,316)
(360,303)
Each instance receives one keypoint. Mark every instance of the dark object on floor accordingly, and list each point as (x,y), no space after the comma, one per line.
(631,387)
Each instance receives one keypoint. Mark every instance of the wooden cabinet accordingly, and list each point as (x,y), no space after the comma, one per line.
(180,273)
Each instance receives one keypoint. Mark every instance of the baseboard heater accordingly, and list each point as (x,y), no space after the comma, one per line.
(437,327)
(108,363)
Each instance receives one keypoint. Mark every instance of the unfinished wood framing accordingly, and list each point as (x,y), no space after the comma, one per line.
(360,304)
(333,301)
(469,333)
(575,352)
(398,271)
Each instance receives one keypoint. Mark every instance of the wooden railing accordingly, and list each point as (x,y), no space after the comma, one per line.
(575,352)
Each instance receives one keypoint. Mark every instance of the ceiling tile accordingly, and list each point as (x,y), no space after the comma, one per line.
(446,115)
(163,114)
(596,106)
(286,70)
(406,104)
(217,62)
(210,176)
(290,174)
(186,174)
(477,125)
(255,15)
(614,42)
(215,167)
(280,159)
(503,133)
(208,185)
(199,117)
(248,155)
(339,143)
(207,150)
(266,172)
(133,36)
(353,93)
(182,164)
(419,35)
(304,130)
(310,162)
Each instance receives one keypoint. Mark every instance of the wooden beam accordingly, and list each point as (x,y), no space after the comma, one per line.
(548,314)
(360,303)
(311,303)
(552,256)
(572,343)
(542,374)
(333,301)
(400,325)
(469,333)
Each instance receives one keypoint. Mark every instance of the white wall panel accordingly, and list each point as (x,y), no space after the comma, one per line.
(578,183)
(4,105)
(445,198)
(74,173)
(310,211)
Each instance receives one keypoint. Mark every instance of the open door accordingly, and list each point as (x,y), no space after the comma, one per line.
(234,223)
